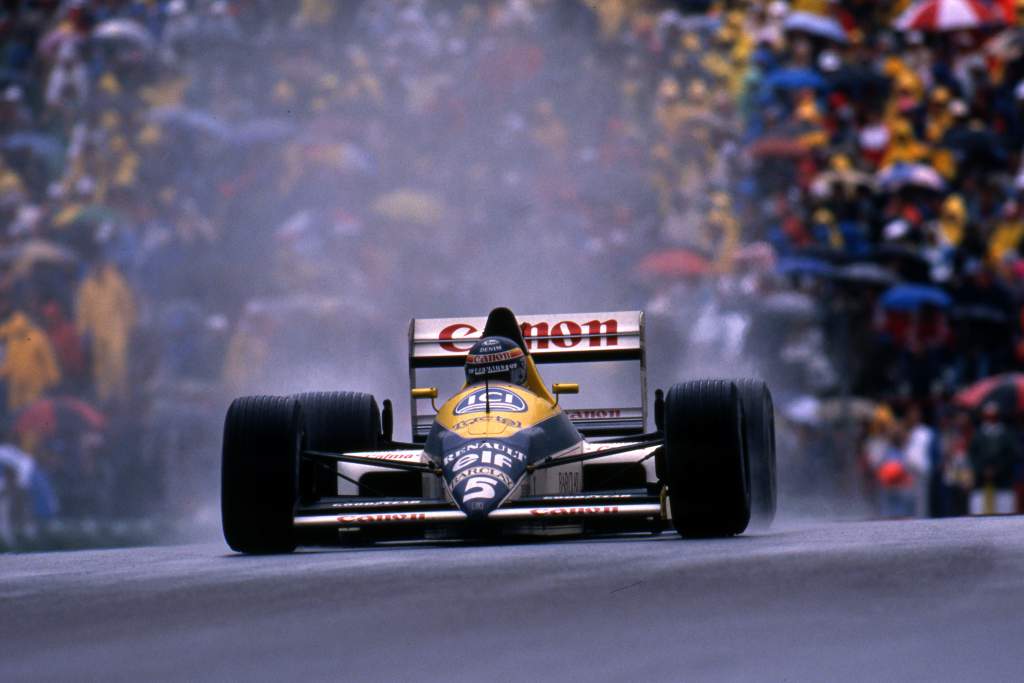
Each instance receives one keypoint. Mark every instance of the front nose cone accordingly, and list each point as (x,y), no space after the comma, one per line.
(481,474)
(478,490)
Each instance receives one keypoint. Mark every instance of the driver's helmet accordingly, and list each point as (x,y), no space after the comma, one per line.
(497,359)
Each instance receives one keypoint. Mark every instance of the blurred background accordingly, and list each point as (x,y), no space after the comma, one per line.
(200,199)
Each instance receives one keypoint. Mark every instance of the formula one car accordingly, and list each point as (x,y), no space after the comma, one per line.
(500,457)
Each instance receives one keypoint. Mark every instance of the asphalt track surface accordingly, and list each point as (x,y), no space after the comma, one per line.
(880,601)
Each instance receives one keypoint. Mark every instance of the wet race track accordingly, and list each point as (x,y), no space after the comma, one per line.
(928,600)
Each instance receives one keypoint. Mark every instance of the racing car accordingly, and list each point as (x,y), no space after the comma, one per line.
(502,456)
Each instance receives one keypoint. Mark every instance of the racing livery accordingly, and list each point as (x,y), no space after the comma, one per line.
(500,456)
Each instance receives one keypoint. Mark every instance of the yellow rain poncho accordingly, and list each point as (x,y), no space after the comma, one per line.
(105,312)
(29,363)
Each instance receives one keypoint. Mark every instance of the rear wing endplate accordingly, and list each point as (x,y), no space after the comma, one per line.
(551,338)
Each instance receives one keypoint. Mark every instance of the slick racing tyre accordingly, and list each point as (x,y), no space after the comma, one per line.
(759,440)
(336,422)
(708,483)
(263,440)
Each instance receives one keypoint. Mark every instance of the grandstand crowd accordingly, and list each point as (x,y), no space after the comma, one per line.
(828,194)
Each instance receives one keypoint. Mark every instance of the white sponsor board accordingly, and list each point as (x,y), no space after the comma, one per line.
(548,334)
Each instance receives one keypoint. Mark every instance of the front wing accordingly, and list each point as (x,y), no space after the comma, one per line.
(541,509)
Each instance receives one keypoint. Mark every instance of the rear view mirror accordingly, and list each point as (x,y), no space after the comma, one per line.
(425,392)
(564,388)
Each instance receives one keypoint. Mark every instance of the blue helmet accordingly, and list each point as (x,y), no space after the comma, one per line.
(496,359)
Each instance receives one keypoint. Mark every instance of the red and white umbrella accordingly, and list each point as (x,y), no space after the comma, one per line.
(949,15)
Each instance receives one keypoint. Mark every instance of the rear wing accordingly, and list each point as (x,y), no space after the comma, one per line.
(552,338)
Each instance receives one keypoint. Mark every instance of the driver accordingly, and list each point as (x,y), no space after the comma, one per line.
(497,359)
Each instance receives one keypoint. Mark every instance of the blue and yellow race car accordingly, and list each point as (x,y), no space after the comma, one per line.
(501,456)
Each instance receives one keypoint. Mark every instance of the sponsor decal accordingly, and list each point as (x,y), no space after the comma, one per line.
(479,487)
(499,357)
(564,334)
(484,457)
(475,370)
(495,446)
(587,496)
(498,399)
(593,414)
(385,517)
(481,471)
(386,456)
(375,503)
(456,331)
(568,482)
(500,419)
(575,512)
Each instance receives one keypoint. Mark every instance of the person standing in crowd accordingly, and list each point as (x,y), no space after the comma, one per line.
(29,364)
(994,455)
(26,494)
(105,317)
(957,474)
(886,459)
(67,345)
(920,444)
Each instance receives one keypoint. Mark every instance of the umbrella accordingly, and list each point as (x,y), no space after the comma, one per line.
(190,120)
(767,148)
(856,407)
(695,23)
(85,222)
(674,263)
(869,274)
(948,15)
(20,259)
(716,122)
(795,78)
(803,410)
(410,206)
(124,31)
(757,253)
(975,146)
(45,147)
(1007,45)
(907,260)
(822,253)
(204,36)
(858,81)
(826,183)
(796,265)
(9,76)
(913,297)
(261,131)
(980,314)
(1006,391)
(897,176)
(55,40)
(793,305)
(816,25)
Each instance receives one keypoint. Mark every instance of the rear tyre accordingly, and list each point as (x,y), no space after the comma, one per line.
(260,473)
(336,422)
(759,437)
(708,483)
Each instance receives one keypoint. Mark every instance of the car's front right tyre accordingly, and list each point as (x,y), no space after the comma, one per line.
(708,481)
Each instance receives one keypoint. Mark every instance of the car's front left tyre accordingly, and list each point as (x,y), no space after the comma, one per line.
(263,441)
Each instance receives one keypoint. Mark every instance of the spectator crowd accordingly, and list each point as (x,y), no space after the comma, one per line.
(200,198)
